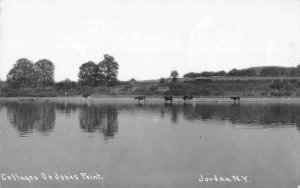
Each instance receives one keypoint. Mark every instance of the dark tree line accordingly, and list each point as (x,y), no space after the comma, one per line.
(204,74)
(280,71)
(26,74)
(102,74)
(264,72)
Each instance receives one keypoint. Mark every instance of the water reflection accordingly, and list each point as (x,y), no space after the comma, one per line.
(176,141)
(173,109)
(40,117)
(263,115)
(266,115)
(31,117)
(174,116)
(94,118)
(66,108)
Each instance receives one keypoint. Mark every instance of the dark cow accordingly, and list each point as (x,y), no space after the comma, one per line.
(235,98)
(187,98)
(86,95)
(139,98)
(168,98)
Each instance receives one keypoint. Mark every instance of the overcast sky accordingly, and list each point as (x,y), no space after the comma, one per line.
(150,38)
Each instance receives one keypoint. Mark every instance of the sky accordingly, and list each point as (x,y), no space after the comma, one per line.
(150,38)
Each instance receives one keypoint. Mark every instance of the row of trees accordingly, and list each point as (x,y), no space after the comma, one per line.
(26,74)
(264,71)
(173,75)
(103,73)
(204,74)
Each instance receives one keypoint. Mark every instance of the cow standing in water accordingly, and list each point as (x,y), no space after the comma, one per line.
(86,95)
(187,98)
(168,98)
(140,98)
(235,98)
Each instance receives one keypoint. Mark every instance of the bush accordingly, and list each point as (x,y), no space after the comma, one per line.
(162,80)
(281,93)
(12,92)
(66,85)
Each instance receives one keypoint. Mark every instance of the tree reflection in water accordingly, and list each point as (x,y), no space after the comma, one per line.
(94,118)
(28,117)
(31,117)
(266,115)
(66,108)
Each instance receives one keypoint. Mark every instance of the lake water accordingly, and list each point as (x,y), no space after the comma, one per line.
(152,145)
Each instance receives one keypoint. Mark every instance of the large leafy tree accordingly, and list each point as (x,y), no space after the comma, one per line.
(45,72)
(22,75)
(109,68)
(90,74)
(174,74)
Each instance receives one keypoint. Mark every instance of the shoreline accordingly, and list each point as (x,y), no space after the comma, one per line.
(149,99)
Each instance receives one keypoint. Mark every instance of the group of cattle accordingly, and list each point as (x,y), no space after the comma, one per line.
(186,98)
(167,98)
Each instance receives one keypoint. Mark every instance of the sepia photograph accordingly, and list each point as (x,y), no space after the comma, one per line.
(150,93)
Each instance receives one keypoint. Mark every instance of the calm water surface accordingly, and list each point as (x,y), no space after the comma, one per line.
(150,145)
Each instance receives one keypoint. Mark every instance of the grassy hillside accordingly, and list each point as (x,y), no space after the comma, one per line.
(257,70)
(223,87)
(202,87)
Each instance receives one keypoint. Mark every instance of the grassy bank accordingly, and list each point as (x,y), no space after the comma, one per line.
(203,87)
(121,99)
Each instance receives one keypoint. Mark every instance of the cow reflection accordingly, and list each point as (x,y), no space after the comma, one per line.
(170,110)
(99,118)
(174,116)
(29,117)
